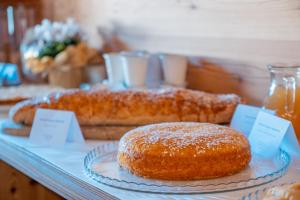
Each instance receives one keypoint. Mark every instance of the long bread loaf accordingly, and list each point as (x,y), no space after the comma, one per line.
(132,107)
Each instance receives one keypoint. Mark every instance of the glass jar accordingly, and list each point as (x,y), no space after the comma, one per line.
(30,49)
(284,94)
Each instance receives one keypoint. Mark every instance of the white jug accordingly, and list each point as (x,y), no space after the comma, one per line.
(174,69)
(114,68)
(135,69)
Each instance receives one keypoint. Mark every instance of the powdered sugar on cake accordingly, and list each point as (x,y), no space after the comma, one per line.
(177,136)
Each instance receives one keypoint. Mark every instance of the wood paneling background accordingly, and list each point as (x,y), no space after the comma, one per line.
(235,38)
(13,25)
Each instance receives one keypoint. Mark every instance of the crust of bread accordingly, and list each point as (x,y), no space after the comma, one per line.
(132,107)
(11,101)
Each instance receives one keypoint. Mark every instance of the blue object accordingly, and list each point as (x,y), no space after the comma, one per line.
(9,74)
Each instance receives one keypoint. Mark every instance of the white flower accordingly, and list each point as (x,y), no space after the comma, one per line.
(37,31)
(47,36)
(72,27)
(46,24)
(57,31)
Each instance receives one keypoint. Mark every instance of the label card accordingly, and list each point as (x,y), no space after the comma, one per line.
(245,116)
(55,128)
(290,142)
(271,132)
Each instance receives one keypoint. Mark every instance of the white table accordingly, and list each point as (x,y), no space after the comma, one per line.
(61,170)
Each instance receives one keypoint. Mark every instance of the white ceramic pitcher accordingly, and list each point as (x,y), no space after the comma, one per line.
(114,68)
(135,69)
(174,69)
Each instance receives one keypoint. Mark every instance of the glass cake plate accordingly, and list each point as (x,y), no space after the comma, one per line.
(261,192)
(101,165)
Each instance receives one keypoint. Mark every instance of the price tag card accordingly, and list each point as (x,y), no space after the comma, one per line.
(55,128)
(290,142)
(270,132)
(245,116)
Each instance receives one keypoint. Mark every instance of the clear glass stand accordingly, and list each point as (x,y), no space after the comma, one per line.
(101,165)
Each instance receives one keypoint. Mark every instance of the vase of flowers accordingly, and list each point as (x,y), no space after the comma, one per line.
(56,51)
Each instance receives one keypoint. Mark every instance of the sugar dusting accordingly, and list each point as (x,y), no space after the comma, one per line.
(175,137)
(181,104)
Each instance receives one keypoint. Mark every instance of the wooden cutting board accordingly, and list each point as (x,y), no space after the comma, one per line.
(89,132)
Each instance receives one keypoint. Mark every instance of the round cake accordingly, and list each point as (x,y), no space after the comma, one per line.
(183,151)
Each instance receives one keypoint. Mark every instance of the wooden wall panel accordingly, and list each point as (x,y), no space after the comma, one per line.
(25,14)
(16,186)
(238,37)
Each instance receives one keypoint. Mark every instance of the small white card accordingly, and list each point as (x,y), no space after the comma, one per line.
(290,142)
(245,116)
(55,128)
(270,132)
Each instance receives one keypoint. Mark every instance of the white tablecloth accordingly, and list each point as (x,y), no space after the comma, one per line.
(61,169)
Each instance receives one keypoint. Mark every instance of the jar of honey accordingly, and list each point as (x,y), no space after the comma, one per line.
(284,94)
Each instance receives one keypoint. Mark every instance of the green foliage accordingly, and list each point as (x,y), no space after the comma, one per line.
(53,48)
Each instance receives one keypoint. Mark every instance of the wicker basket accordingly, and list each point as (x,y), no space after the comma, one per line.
(66,76)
